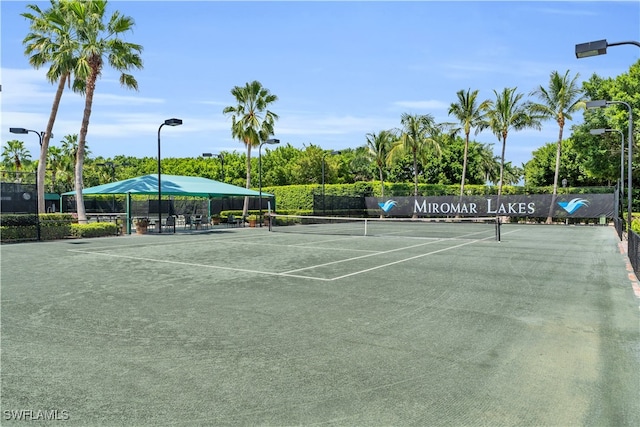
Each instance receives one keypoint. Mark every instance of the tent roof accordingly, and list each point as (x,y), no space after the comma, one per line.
(172,185)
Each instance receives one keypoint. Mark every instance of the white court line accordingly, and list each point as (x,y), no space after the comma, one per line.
(287,274)
(406,259)
(362,256)
(193,264)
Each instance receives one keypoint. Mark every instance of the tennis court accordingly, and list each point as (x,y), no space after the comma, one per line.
(244,326)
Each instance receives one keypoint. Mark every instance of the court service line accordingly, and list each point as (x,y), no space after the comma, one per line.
(362,256)
(416,256)
(406,259)
(193,264)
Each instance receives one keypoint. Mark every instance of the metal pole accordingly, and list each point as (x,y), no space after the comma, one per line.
(323,210)
(260,180)
(159,185)
(629,172)
(629,166)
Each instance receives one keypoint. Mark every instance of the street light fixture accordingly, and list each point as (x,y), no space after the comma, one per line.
(268,142)
(603,104)
(598,47)
(602,132)
(219,156)
(40,136)
(333,153)
(168,122)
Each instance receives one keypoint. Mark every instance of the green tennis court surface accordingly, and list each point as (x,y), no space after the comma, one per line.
(248,327)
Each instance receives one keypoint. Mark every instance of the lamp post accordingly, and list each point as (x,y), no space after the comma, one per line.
(268,142)
(603,104)
(334,152)
(219,156)
(598,47)
(602,132)
(168,122)
(40,136)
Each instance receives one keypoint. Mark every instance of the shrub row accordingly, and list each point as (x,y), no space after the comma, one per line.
(18,227)
(94,229)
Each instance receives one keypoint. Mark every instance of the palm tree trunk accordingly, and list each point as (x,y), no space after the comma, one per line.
(504,146)
(245,207)
(90,89)
(464,164)
(42,162)
(555,178)
(415,178)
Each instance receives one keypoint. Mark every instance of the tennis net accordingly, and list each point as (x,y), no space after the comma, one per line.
(436,228)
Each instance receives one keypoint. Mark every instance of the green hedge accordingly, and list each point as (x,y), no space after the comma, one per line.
(292,198)
(14,234)
(94,229)
(55,226)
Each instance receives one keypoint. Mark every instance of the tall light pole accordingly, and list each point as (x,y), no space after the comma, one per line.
(598,47)
(603,104)
(219,156)
(268,142)
(325,154)
(602,132)
(40,136)
(168,122)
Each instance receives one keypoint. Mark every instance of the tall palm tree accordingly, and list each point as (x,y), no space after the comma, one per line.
(251,121)
(470,114)
(507,113)
(379,146)
(100,43)
(415,137)
(559,101)
(52,41)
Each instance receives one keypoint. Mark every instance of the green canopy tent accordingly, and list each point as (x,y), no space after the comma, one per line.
(171,185)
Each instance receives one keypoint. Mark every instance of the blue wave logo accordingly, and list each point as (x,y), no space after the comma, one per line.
(388,205)
(573,205)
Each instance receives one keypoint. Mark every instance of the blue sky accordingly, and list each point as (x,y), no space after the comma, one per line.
(339,69)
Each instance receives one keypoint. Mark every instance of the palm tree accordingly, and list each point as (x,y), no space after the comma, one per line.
(100,42)
(52,41)
(470,114)
(489,163)
(506,113)
(70,157)
(14,153)
(13,156)
(415,137)
(559,101)
(55,157)
(251,121)
(379,146)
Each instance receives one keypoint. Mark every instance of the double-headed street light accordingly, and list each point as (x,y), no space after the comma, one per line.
(219,156)
(25,131)
(603,104)
(598,47)
(168,122)
(268,142)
